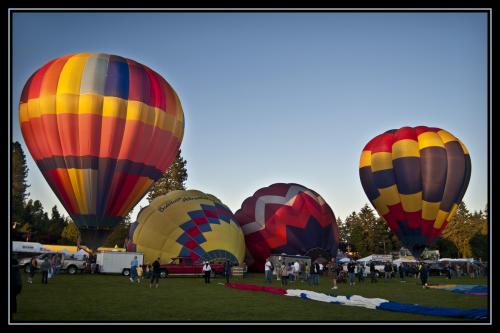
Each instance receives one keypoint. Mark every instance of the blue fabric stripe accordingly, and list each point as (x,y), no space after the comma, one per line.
(117,81)
(434,311)
(407,171)
(384,178)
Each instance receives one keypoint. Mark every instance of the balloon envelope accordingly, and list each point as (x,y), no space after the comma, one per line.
(287,218)
(415,178)
(102,129)
(188,224)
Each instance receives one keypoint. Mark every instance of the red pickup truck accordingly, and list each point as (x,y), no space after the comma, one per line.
(186,266)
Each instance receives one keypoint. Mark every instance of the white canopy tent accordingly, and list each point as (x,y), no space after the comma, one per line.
(376,257)
(471,260)
(81,254)
(399,261)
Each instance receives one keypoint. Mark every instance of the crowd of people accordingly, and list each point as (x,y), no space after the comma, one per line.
(352,271)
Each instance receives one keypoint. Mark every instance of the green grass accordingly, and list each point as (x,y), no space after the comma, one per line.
(113,298)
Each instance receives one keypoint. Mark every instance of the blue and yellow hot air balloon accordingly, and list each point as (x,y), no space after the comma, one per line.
(188,224)
(102,129)
(415,178)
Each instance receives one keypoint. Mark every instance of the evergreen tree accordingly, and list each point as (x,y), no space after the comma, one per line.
(56,225)
(462,229)
(173,179)
(119,233)
(343,231)
(70,233)
(19,185)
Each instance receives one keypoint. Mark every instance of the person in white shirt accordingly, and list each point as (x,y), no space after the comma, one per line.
(296,271)
(268,270)
(207,270)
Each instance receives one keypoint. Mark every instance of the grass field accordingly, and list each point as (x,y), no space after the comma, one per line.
(84,298)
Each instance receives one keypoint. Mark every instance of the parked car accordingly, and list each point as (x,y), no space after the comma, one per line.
(185,266)
(68,264)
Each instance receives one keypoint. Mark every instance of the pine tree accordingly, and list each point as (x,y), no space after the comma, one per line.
(57,224)
(19,185)
(119,233)
(70,233)
(462,229)
(173,179)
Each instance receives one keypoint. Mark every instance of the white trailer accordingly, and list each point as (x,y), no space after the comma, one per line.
(117,262)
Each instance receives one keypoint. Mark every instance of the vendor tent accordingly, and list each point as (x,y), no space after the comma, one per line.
(403,260)
(457,260)
(376,257)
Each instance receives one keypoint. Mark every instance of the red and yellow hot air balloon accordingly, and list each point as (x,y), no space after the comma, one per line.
(102,129)
(415,178)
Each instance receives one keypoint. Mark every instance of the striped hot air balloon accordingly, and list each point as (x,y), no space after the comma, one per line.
(415,178)
(102,129)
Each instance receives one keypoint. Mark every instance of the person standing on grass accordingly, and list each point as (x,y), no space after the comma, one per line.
(424,274)
(45,267)
(268,271)
(333,270)
(350,273)
(373,275)
(207,270)
(315,273)
(32,269)
(16,284)
(139,273)
(133,268)
(283,271)
(227,270)
(361,272)
(401,270)
(156,273)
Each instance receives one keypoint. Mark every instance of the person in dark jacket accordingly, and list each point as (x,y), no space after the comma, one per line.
(45,267)
(16,284)
(402,272)
(155,277)
(227,270)
(373,275)
(424,274)
(315,273)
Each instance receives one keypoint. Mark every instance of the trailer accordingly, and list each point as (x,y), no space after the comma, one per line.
(114,262)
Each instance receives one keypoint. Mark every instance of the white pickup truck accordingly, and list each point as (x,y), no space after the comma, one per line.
(72,266)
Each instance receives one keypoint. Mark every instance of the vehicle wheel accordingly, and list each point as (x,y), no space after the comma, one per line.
(27,268)
(126,272)
(72,270)
(163,274)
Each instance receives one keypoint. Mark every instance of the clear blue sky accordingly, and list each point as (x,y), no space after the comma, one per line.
(285,97)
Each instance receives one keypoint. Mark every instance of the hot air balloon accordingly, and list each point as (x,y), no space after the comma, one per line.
(287,218)
(102,129)
(415,178)
(188,224)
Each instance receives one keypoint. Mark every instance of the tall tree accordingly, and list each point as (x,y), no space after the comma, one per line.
(19,185)
(462,229)
(119,233)
(56,225)
(70,233)
(375,231)
(173,179)
(343,231)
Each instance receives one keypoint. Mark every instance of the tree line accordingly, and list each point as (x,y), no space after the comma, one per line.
(30,221)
